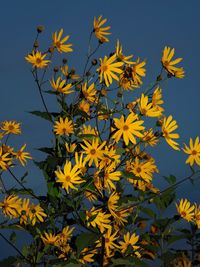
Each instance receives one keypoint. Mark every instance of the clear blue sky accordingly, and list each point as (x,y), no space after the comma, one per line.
(144,27)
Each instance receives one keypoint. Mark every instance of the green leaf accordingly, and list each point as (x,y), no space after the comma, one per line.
(47,150)
(13,237)
(148,211)
(170,179)
(53,191)
(8,261)
(42,114)
(85,240)
(67,265)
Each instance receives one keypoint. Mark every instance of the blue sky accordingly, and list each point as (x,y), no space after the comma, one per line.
(144,27)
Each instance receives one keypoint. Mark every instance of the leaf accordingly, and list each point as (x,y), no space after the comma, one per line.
(85,240)
(42,114)
(148,211)
(67,265)
(8,261)
(27,191)
(47,150)
(175,238)
(13,237)
(170,179)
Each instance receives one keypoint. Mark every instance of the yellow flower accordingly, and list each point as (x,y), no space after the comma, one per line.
(125,82)
(64,127)
(69,177)
(87,129)
(90,195)
(109,176)
(112,202)
(5,160)
(80,163)
(109,157)
(149,138)
(93,150)
(129,240)
(182,262)
(61,86)
(86,256)
(169,64)
(36,214)
(49,238)
(99,31)
(11,127)
(70,75)
(108,69)
(37,59)
(90,92)
(138,71)
(70,147)
(121,56)
(168,126)
(157,97)
(143,169)
(185,209)
(110,244)
(21,155)
(10,206)
(59,43)
(128,129)
(197,215)
(193,150)
(64,236)
(24,211)
(120,217)
(98,219)
(147,109)
(84,106)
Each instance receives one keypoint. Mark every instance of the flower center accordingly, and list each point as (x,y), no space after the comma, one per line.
(138,170)
(11,127)
(197,217)
(67,178)
(125,127)
(38,60)
(58,44)
(194,152)
(104,68)
(92,151)
(183,213)
(107,240)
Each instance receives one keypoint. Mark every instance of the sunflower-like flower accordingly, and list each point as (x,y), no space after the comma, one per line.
(149,138)
(143,169)
(84,106)
(98,219)
(24,211)
(197,215)
(21,155)
(193,150)
(110,244)
(99,31)
(138,71)
(5,159)
(93,150)
(168,126)
(129,240)
(121,56)
(169,64)
(69,74)
(59,43)
(69,177)
(10,206)
(64,236)
(185,209)
(11,127)
(147,108)
(108,68)
(36,214)
(110,175)
(49,238)
(89,92)
(128,128)
(37,59)
(86,256)
(64,127)
(61,86)
(112,202)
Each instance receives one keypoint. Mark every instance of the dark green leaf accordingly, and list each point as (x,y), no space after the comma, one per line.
(85,240)
(8,261)
(13,237)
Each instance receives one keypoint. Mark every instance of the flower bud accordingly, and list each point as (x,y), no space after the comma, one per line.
(51,49)
(64,61)
(36,44)
(94,62)
(103,92)
(40,28)
(159,78)
(55,69)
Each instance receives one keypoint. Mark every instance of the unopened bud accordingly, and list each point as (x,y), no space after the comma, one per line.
(88,73)
(169,75)
(78,86)
(119,94)
(36,44)
(72,71)
(103,92)
(64,60)
(40,28)
(55,69)
(159,78)
(51,49)
(94,62)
